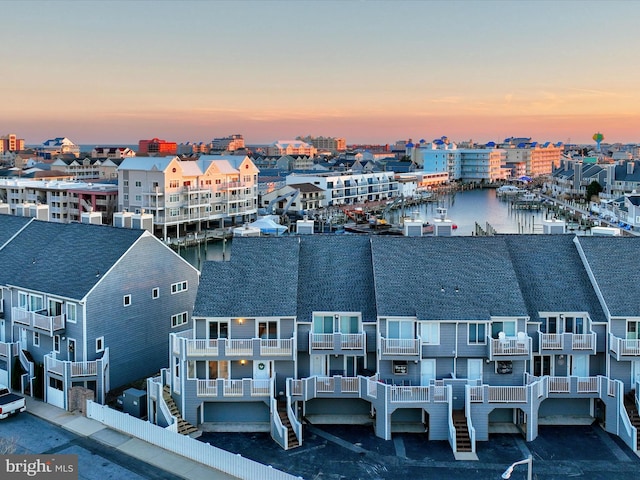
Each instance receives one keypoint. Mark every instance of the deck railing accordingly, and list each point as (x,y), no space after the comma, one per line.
(623,347)
(511,346)
(276,346)
(9,349)
(337,341)
(238,347)
(409,394)
(571,341)
(47,323)
(400,346)
(244,387)
(245,347)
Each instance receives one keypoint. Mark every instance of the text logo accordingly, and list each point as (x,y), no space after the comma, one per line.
(50,467)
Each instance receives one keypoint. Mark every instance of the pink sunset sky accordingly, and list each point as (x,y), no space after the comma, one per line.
(369,71)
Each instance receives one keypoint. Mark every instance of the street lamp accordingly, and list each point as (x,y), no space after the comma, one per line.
(529,460)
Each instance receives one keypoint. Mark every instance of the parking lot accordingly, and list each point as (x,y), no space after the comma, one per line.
(353,452)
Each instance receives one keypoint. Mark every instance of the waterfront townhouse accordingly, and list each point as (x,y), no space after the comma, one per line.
(455,337)
(184,195)
(86,306)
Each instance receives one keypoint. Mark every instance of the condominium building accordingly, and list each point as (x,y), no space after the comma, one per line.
(332,144)
(88,168)
(291,147)
(228,144)
(86,308)
(452,337)
(112,152)
(11,143)
(532,159)
(462,164)
(66,200)
(156,146)
(184,194)
(350,188)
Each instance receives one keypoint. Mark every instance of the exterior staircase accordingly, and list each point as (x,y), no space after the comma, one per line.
(632,411)
(284,418)
(463,441)
(184,427)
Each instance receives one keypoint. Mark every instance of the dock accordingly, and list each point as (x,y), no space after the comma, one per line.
(198,238)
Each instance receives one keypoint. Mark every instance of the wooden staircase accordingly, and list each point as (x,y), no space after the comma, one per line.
(463,441)
(632,411)
(284,418)
(184,427)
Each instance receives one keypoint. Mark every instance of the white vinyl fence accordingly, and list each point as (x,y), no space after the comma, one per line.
(201,452)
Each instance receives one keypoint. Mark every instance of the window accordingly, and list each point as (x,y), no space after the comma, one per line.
(71,312)
(430,333)
(138,183)
(174,184)
(99,344)
(268,330)
(174,198)
(179,319)
(191,369)
(400,329)
(36,339)
(126,300)
(218,330)
(155,293)
(125,183)
(477,333)
(323,324)
(509,328)
(178,287)
(36,303)
(23,300)
(218,370)
(633,327)
(56,343)
(125,197)
(138,198)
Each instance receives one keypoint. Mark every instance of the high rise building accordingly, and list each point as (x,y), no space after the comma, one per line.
(157,147)
(11,143)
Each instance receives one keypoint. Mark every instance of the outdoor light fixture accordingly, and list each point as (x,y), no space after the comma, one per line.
(242,362)
(529,460)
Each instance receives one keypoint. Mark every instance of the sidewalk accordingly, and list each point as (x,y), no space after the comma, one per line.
(86,427)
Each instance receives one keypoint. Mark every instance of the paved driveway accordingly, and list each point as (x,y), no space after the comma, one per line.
(353,452)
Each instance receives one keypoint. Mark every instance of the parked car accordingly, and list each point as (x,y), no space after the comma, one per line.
(10,403)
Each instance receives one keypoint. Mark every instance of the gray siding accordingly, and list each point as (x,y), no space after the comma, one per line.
(138,335)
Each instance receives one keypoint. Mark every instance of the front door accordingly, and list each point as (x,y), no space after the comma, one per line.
(2,329)
(262,370)
(318,365)
(427,371)
(71,350)
(580,365)
(23,339)
(474,369)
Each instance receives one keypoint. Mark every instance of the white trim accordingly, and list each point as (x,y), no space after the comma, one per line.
(66,311)
(36,335)
(100,348)
(186,319)
(126,300)
(17,233)
(155,293)
(181,286)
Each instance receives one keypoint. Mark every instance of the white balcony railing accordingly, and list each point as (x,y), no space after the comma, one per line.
(510,346)
(551,341)
(624,347)
(241,347)
(247,387)
(401,394)
(400,346)
(572,341)
(583,341)
(276,346)
(203,348)
(48,323)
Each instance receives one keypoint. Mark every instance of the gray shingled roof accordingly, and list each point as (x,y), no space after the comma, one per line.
(63,259)
(613,263)
(9,226)
(336,274)
(261,279)
(411,273)
(552,276)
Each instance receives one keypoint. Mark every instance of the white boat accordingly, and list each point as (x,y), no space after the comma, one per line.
(509,190)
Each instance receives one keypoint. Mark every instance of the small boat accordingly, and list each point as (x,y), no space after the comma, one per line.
(508,190)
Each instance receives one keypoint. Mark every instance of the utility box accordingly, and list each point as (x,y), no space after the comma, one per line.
(134,402)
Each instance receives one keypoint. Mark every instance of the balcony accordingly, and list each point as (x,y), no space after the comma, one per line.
(38,321)
(240,389)
(246,348)
(624,349)
(88,370)
(337,343)
(400,348)
(489,394)
(8,350)
(510,348)
(567,343)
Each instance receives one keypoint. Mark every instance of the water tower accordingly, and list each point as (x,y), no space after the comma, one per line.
(598,137)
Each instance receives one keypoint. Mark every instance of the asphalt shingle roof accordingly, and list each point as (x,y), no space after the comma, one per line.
(260,280)
(9,226)
(613,263)
(336,274)
(476,275)
(552,276)
(62,259)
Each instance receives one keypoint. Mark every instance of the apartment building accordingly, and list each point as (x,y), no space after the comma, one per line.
(156,146)
(452,337)
(66,200)
(533,159)
(291,147)
(11,143)
(88,168)
(350,188)
(86,306)
(462,164)
(112,152)
(189,194)
(331,144)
